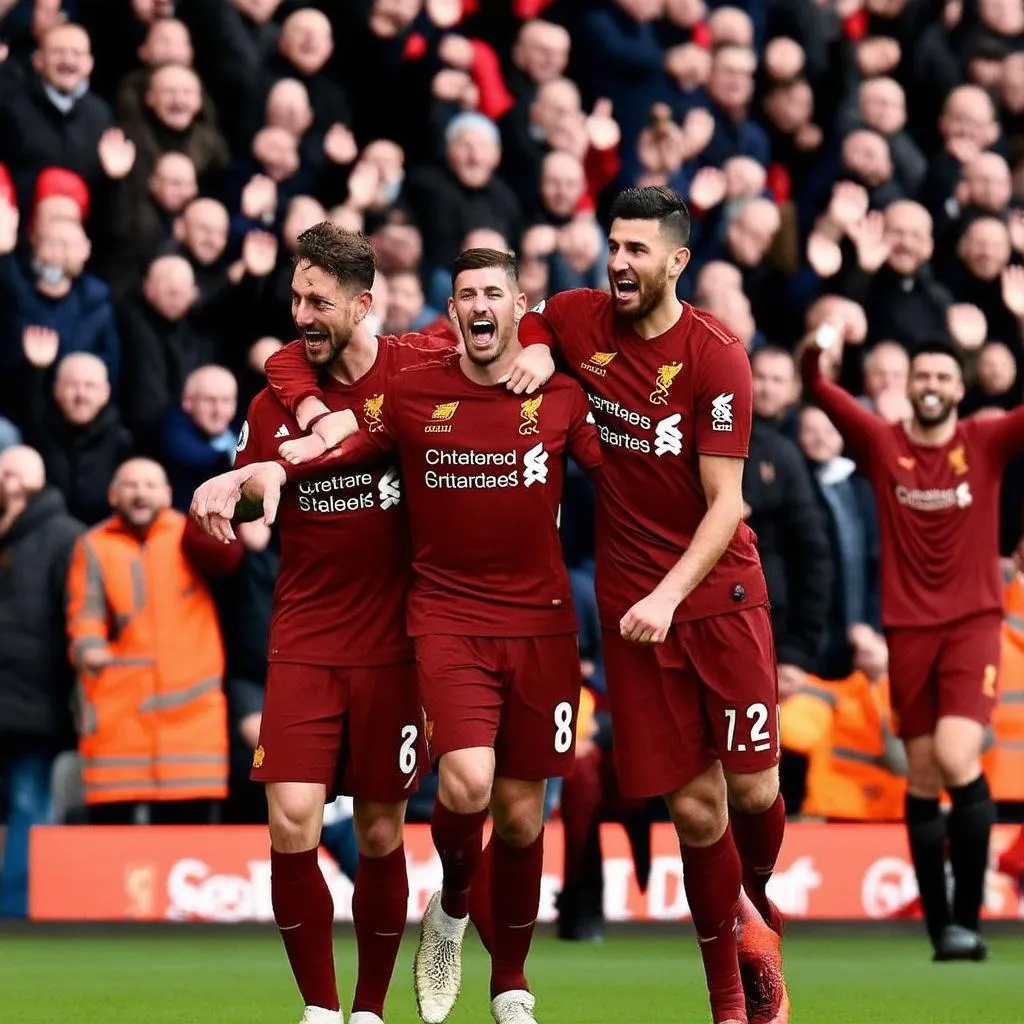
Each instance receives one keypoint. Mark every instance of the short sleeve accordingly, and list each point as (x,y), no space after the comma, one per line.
(584,441)
(290,376)
(723,400)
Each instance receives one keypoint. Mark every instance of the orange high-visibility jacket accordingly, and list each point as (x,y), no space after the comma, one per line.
(1004,764)
(843,728)
(153,723)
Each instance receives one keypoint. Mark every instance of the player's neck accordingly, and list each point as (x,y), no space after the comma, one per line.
(661,319)
(491,374)
(356,359)
(932,437)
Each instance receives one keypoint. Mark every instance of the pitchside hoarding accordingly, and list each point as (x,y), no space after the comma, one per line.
(222,874)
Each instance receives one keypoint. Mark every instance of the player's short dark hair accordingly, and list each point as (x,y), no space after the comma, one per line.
(481,259)
(938,347)
(655,202)
(346,255)
(776,351)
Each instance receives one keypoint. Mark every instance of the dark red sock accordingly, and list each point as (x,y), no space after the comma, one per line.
(711,878)
(458,839)
(582,793)
(515,900)
(304,912)
(379,907)
(758,839)
(480,897)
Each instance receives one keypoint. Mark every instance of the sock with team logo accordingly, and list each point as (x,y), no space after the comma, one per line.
(711,878)
(515,901)
(379,907)
(926,830)
(304,912)
(458,839)
(758,839)
(970,825)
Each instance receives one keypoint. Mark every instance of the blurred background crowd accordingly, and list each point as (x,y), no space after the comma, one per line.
(860,161)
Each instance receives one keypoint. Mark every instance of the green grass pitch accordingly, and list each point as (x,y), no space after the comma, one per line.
(241,977)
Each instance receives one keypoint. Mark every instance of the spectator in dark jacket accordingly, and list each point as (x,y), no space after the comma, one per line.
(197,438)
(77,430)
(36,538)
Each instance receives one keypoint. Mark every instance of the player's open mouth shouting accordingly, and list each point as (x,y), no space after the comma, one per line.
(482,330)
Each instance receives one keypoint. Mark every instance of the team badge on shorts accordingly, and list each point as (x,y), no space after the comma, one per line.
(257,757)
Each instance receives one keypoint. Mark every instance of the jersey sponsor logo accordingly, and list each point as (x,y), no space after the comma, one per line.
(663,383)
(598,363)
(958,460)
(343,492)
(535,466)
(443,411)
(619,412)
(389,489)
(530,411)
(936,499)
(282,431)
(243,437)
(372,409)
(721,411)
(668,439)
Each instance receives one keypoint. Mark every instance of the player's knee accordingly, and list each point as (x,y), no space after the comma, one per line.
(378,828)
(465,783)
(698,818)
(958,766)
(518,812)
(296,813)
(753,793)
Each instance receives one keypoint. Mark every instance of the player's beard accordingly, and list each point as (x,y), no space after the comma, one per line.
(652,289)
(934,415)
(324,352)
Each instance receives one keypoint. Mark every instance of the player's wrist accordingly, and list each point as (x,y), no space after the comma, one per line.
(333,427)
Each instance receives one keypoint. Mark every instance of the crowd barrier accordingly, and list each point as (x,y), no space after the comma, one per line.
(222,874)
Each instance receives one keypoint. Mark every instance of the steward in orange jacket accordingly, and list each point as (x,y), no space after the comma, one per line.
(857,769)
(146,644)
(1004,764)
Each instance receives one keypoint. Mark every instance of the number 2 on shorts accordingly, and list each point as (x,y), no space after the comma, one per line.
(407,751)
(563,727)
(760,739)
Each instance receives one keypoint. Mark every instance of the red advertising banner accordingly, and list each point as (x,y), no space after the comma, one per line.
(826,872)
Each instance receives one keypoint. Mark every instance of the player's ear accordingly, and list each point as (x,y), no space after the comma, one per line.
(520,307)
(678,263)
(452,312)
(364,303)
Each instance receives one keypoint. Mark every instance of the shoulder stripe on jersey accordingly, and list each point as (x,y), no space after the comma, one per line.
(723,335)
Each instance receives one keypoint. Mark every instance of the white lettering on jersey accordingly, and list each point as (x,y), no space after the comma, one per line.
(668,440)
(389,489)
(721,412)
(535,465)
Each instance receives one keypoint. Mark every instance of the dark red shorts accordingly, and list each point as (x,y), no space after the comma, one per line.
(709,692)
(518,695)
(359,731)
(942,671)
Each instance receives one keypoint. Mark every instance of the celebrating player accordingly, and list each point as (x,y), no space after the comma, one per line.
(937,480)
(342,710)
(687,636)
(490,610)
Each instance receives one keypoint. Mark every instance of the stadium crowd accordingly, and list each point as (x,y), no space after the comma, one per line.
(859,161)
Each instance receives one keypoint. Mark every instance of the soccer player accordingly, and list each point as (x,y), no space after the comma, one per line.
(936,480)
(687,636)
(342,711)
(490,610)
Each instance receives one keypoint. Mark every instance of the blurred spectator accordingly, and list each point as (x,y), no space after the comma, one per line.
(197,439)
(75,426)
(36,538)
(152,716)
(853,534)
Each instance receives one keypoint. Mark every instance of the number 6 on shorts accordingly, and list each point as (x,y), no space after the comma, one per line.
(760,738)
(563,727)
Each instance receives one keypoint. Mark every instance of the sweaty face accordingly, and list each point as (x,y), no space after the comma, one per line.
(639,259)
(487,308)
(324,313)
(936,388)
